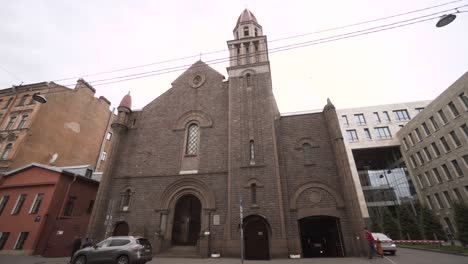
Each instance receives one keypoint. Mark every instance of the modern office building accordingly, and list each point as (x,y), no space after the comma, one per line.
(370,135)
(434,145)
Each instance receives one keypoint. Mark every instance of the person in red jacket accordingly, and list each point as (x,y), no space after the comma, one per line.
(371,242)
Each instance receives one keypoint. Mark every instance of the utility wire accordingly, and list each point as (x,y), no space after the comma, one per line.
(11,73)
(279,39)
(300,45)
(274,50)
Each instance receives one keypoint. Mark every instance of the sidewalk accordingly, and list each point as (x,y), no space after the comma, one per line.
(8,259)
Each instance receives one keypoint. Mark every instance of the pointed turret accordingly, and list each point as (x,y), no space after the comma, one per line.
(247,26)
(126,101)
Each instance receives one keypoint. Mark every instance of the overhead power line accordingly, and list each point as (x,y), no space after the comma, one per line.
(275,40)
(352,34)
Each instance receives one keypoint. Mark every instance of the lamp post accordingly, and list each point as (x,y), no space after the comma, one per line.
(447,19)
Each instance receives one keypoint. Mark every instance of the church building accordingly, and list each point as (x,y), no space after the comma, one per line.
(211,167)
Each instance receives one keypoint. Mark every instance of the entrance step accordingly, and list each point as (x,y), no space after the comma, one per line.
(180,252)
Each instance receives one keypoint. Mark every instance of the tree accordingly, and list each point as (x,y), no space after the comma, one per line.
(390,226)
(461,220)
(408,223)
(430,224)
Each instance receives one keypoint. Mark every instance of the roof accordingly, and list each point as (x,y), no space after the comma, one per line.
(245,16)
(126,101)
(68,170)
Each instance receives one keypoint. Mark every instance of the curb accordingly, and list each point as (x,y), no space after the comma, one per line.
(438,251)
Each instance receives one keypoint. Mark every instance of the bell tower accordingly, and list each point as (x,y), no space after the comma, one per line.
(249,47)
(254,182)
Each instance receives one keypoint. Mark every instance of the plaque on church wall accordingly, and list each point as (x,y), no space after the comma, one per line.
(216,220)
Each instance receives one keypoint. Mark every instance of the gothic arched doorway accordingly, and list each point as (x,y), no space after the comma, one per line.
(121,229)
(321,237)
(256,241)
(187,222)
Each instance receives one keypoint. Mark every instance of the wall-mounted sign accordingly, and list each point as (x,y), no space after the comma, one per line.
(216,220)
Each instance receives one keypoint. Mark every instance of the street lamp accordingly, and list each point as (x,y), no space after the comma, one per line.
(39,98)
(447,19)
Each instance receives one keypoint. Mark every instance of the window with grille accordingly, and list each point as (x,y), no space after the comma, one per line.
(192,139)
(402,115)
(383,132)
(125,202)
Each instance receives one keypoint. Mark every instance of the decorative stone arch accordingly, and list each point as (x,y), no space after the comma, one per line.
(168,201)
(257,243)
(203,119)
(299,143)
(252,181)
(300,190)
(182,187)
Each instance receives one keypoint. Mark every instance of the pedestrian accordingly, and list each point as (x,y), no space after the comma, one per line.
(87,243)
(378,244)
(370,242)
(76,245)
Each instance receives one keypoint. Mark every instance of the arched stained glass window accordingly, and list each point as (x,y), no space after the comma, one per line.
(192,139)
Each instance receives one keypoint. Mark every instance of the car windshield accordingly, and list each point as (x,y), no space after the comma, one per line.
(380,236)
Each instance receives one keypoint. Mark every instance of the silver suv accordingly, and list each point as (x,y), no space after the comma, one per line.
(118,249)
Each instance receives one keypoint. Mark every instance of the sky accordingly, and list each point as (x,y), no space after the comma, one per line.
(58,39)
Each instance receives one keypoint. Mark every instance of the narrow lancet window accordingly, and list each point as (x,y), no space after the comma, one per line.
(252,151)
(307,148)
(253,193)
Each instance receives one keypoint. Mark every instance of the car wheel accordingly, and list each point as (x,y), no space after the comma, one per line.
(81,259)
(392,253)
(122,260)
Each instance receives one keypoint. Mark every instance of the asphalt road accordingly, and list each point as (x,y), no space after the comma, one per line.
(403,256)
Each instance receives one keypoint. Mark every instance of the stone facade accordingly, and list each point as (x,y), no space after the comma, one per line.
(225,143)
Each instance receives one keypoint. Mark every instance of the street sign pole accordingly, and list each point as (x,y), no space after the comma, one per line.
(241,214)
